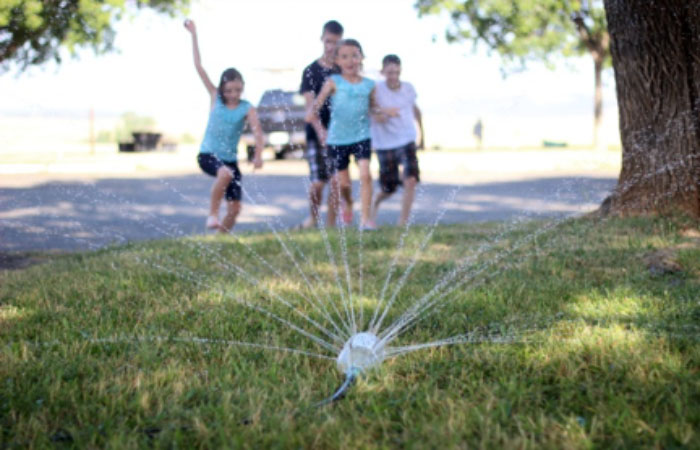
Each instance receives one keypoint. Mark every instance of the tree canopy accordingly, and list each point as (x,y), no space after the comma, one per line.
(35,31)
(521,30)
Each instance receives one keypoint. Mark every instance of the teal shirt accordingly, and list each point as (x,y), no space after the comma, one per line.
(349,111)
(224,129)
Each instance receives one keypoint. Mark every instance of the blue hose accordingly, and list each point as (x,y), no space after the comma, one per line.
(350,378)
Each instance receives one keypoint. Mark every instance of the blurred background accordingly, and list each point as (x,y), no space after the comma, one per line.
(88,103)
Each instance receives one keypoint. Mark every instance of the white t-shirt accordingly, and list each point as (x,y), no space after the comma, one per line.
(397,131)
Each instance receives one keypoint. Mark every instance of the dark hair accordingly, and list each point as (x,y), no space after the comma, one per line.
(229,74)
(391,59)
(333,27)
(349,43)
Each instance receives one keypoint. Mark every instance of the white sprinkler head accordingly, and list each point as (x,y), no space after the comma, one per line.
(361,352)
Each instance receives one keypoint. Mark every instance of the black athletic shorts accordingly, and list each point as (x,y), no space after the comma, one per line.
(389,161)
(210,164)
(339,155)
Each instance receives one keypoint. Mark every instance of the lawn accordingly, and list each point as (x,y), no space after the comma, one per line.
(573,334)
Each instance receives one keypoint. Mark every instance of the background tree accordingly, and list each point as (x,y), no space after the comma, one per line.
(522,30)
(656,58)
(34,31)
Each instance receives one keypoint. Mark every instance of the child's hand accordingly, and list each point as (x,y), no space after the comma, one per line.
(310,117)
(380,117)
(321,133)
(189,25)
(391,112)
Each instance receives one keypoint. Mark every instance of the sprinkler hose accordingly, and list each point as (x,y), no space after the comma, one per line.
(350,378)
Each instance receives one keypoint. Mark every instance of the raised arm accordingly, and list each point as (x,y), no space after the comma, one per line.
(254,123)
(419,118)
(189,25)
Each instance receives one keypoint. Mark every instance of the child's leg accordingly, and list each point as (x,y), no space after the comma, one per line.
(233,208)
(317,157)
(333,200)
(365,190)
(233,194)
(223,178)
(388,178)
(345,188)
(411,177)
(341,187)
(409,192)
(380,197)
(363,152)
(315,199)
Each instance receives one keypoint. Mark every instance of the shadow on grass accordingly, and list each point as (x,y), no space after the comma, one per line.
(609,358)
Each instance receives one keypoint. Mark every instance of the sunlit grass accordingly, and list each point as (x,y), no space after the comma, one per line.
(101,349)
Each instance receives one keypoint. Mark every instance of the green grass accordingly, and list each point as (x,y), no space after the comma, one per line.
(95,349)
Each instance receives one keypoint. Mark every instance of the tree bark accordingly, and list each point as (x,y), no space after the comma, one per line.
(655,47)
(598,102)
(598,45)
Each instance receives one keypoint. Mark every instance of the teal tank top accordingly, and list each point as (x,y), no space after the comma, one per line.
(349,111)
(224,129)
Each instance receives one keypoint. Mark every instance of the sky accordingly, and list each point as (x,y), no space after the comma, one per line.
(271,41)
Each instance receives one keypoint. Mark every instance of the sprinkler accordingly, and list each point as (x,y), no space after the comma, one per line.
(360,353)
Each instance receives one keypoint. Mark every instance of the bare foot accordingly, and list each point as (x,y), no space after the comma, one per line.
(213,223)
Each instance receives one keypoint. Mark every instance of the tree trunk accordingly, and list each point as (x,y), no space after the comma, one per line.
(655,48)
(598,101)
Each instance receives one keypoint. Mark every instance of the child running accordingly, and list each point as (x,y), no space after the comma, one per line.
(315,74)
(394,136)
(218,154)
(352,97)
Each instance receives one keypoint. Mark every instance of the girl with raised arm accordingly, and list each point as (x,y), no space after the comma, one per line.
(218,154)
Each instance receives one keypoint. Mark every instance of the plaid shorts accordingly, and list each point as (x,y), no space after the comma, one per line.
(210,165)
(389,161)
(317,157)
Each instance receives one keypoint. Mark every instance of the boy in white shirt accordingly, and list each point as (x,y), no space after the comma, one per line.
(394,137)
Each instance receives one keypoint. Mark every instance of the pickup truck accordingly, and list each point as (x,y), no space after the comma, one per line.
(281,116)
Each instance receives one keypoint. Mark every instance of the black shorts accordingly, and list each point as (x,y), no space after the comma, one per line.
(339,155)
(389,161)
(210,165)
(317,156)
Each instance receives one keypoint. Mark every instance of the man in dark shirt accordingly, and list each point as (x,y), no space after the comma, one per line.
(312,80)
